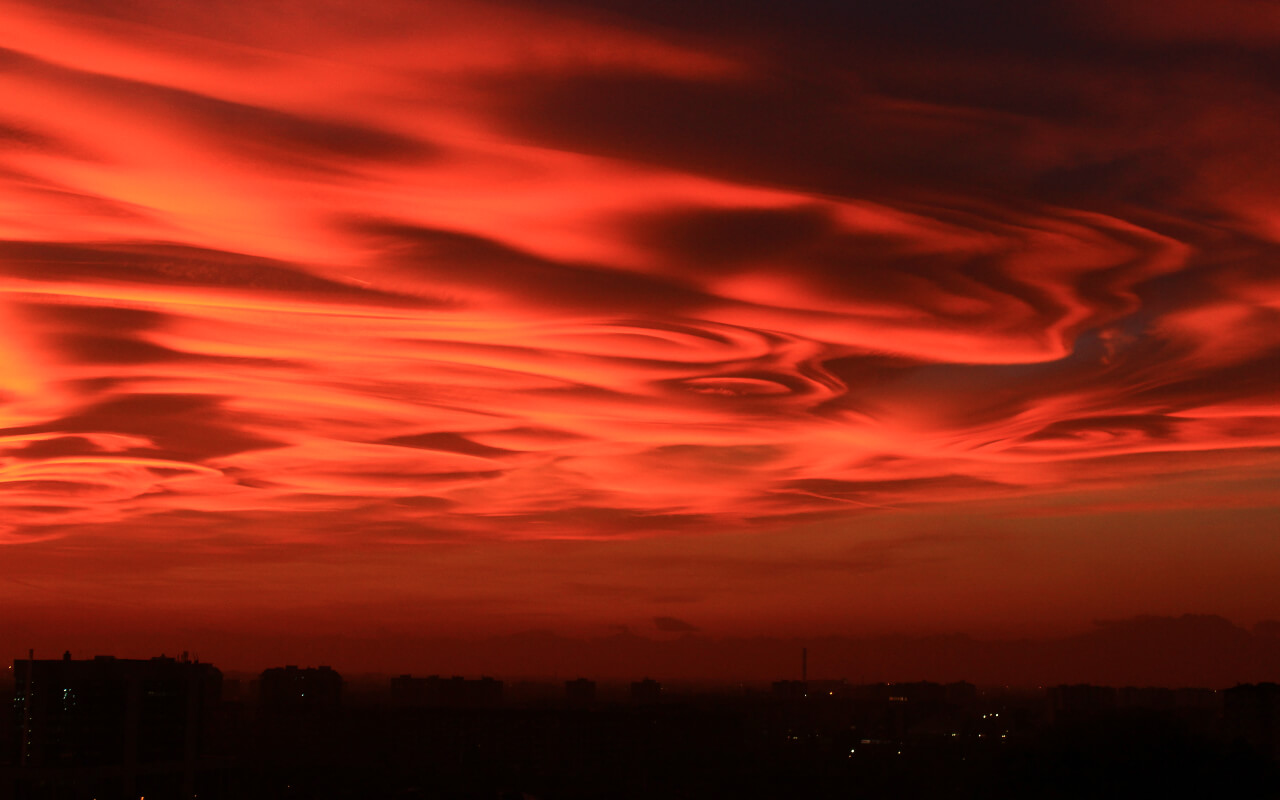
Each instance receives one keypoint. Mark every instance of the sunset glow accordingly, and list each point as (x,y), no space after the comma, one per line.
(481,317)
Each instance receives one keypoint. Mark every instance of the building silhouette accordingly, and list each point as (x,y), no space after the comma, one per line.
(579,693)
(646,692)
(112,727)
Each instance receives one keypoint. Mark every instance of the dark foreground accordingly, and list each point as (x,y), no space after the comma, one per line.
(78,735)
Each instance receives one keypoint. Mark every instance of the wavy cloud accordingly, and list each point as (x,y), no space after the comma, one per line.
(498,271)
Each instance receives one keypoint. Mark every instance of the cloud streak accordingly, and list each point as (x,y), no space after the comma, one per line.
(491,271)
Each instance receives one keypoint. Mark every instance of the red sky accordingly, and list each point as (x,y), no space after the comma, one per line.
(468,318)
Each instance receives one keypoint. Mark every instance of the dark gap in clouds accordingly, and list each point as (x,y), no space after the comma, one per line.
(180,265)
(542,434)
(758,387)
(307,141)
(94,348)
(709,334)
(100,385)
(54,448)
(975,393)
(832,27)
(852,489)
(860,268)
(322,498)
(112,320)
(1144,179)
(448,475)
(90,205)
(1253,378)
(993,272)
(257,483)
(834,34)
(1015,87)
(184,427)
(1221,265)
(1206,463)
(52,486)
(1152,426)
(448,443)
(22,136)
(97,335)
(43,509)
(454,257)
(712,240)
(868,369)
(803,135)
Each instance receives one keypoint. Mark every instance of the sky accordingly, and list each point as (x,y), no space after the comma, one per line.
(751,319)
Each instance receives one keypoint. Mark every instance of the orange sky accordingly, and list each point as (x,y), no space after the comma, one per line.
(477,318)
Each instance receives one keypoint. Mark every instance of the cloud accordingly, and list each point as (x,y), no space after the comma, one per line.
(618,271)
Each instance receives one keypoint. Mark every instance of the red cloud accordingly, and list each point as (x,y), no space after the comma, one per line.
(451,274)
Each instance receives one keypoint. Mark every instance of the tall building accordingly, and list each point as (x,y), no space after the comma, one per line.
(646,692)
(111,727)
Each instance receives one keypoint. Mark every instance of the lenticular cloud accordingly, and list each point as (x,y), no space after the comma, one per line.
(503,271)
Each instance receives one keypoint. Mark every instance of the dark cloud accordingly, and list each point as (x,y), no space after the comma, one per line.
(308,142)
(55,447)
(111,320)
(443,257)
(804,136)
(184,427)
(1151,426)
(901,487)
(175,265)
(448,443)
(717,240)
